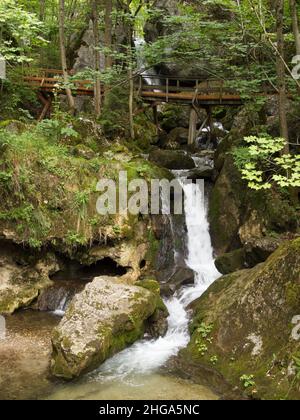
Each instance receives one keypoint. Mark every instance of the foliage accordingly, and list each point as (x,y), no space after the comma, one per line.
(263,165)
(248,381)
(20,31)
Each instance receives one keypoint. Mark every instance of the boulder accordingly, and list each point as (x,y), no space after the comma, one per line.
(237,214)
(181,277)
(171,159)
(21,282)
(203,172)
(103,319)
(230,262)
(176,138)
(247,326)
(174,116)
(257,250)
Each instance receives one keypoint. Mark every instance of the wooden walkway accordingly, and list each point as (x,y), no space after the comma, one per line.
(152,89)
(188,91)
(51,80)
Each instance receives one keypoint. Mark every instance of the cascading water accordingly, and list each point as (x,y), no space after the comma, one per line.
(148,355)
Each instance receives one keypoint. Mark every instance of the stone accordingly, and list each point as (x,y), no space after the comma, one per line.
(257,250)
(103,319)
(203,172)
(176,138)
(252,318)
(230,262)
(181,277)
(171,159)
(22,282)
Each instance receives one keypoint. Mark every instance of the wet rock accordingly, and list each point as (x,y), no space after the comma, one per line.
(203,172)
(182,276)
(171,159)
(230,262)
(254,324)
(157,324)
(100,321)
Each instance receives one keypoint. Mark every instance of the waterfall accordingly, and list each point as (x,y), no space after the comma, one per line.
(147,355)
(61,309)
(147,72)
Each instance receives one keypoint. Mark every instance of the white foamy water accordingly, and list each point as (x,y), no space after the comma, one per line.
(146,356)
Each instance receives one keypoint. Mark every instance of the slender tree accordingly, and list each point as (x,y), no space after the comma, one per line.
(108,32)
(42,10)
(280,68)
(295,24)
(61,18)
(97,87)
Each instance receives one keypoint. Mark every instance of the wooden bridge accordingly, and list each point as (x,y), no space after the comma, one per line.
(187,91)
(194,92)
(150,88)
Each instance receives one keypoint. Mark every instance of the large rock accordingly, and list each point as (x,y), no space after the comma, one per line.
(171,159)
(182,276)
(258,250)
(253,319)
(22,281)
(238,214)
(230,262)
(100,321)
(202,172)
(177,138)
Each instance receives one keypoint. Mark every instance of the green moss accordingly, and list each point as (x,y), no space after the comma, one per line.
(292,294)
(237,305)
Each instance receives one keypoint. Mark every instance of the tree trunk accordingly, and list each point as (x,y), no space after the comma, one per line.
(131,84)
(63,53)
(97,87)
(280,68)
(108,33)
(42,10)
(295,22)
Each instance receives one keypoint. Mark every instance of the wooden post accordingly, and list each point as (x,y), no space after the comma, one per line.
(192,127)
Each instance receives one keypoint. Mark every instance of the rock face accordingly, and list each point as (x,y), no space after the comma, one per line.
(171,159)
(22,282)
(100,321)
(238,214)
(230,262)
(253,322)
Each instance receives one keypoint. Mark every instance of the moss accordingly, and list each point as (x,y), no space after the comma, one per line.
(256,304)
(230,262)
(153,286)
(292,293)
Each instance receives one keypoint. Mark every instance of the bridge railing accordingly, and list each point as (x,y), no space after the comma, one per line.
(50,80)
(189,89)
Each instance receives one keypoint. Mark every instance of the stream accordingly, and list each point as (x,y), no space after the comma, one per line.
(136,372)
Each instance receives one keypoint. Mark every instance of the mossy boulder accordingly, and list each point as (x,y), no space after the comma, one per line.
(237,213)
(100,321)
(203,172)
(257,250)
(247,323)
(171,159)
(176,138)
(157,324)
(230,262)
